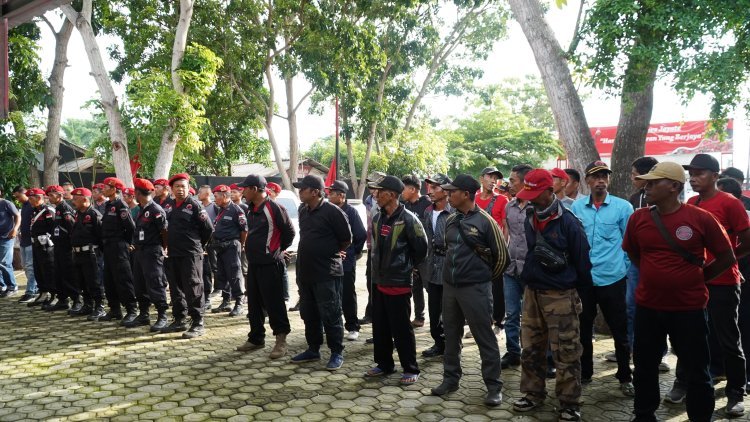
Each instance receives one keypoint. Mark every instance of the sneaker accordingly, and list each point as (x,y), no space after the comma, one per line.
(676,395)
(510,360)
(335,362)
(352,335)
(434,352)
(734,408)
(664,367)
(417,323)
(611,357)
(444,388)
(249,347)
(497,329)
(627,388)
(365,321)
(9,293)
(294,308)
(569,414)
(39,300)
(27,298)
(307,356)
(525,404)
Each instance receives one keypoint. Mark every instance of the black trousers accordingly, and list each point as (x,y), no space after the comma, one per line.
(391,327)
(724,344)
(265,290)
(498,302)
(320,309)
(209,269)
(148,275)
(86,276)
(185,275)
(368,279)
(349,301)
(688,333)
(44,267)
(743,319)
(435,307)
(417,291)
(118,276)
(67,288)
(229,269)
(611,300)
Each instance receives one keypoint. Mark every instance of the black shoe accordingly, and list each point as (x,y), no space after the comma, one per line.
(177,326)
(77,306)
(27,298)
(370,340)
(129,318)
(141,320)
(111,316)
(61,305)
(49,304)
(494,398)
(510,359)
(551,373)
(96,313)
(161,323)
(237,311)
(444,389)
(295,308)
(207,306)
(433,351)
(366,320)
(196,330)
(43,297)
(224,307)
(82,311)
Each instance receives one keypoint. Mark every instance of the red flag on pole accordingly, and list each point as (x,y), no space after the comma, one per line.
(331,177)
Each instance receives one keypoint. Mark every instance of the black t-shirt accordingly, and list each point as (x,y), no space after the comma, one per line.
(189,228)
(418,207)
(117,222)
(87,228)
(150,222)
(324,231)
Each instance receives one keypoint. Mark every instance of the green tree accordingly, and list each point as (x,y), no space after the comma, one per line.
(84,132)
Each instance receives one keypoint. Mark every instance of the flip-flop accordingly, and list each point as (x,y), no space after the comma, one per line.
(408,379)
(376,372)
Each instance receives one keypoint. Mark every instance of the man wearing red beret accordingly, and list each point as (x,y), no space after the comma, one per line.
(273,190)
(86,242)
(64,221)
(128,195)
(97,197)
(161,195)
(117,236)
(42,226)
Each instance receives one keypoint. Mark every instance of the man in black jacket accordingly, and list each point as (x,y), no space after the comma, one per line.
(399,244)
(64,221)
(476,256)
(417,203)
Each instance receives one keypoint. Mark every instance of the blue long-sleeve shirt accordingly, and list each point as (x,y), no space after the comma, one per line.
(605,229)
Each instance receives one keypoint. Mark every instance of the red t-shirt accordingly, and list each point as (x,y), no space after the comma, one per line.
(498,208)
(667,281)
(730,212)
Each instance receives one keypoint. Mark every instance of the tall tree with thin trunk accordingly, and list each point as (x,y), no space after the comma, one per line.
(82,21)
(56,87)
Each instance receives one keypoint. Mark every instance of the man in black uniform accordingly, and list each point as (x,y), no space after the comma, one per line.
(230,232)
(161,195)
(42,226)
(150,242)
(188,232)
(85,239)
(64,220)
(270,233)
(417,203)
(117,237)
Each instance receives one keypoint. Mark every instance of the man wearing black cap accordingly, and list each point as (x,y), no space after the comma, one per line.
(415,202)
(739,176)
(324,236)
(399,244)
(476,256)
(337,195)
(435,217)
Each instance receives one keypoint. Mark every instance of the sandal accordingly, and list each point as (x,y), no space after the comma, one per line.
(376,372)
(408,379)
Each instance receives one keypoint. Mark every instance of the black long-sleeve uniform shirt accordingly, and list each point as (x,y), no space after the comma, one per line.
(117,222)
(189,228)
(87,228)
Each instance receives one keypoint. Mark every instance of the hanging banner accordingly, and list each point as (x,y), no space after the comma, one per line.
(670,139)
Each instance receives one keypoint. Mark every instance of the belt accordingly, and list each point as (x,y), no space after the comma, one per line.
(85,248)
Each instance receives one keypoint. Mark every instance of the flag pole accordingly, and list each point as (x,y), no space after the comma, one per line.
(336,156)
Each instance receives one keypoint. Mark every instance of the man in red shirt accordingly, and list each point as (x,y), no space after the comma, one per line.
(724,291)
(671,296)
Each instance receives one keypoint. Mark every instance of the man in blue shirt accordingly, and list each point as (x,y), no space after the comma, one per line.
(10,221)
(604,219)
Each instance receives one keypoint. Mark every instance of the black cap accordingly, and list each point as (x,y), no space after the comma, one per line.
(375,177)
(596,167)
(463,182)
(438,179)
(703,162)
(391,183)
(340,186)
(734,173)
(253,180)
(411,180)
(492,170)
(310,181)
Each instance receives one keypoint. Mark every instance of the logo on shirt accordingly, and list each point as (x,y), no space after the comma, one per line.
(189,206)
(385,230)
(684,233)
(112,209)
(146,214)
(87,219)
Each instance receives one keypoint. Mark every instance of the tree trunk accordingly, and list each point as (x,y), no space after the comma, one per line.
(52,140)
(267,124)
(636,106)
(120,158)
(169,141)
(291,119)
(349,150)
(563,97)
(373,130)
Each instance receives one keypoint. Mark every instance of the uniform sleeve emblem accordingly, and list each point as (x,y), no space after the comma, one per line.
(189,206)
(124,214)
(87,219)
(112,209)
(147,213)
(203,215)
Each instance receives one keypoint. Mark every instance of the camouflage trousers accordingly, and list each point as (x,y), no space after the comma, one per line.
(550,319)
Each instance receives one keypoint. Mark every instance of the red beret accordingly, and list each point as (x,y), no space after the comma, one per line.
(559,173)
(54,188)
(161,182)
(274,187)
(115,183)
(82,192)
(191,191)
(234,186)
(221,188)
(179,176)
(34,191)
(129,191)
(98,186)
(144,184)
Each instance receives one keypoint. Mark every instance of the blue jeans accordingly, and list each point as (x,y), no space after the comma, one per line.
(27,258)
(7,279)
(513,290)
(632,282)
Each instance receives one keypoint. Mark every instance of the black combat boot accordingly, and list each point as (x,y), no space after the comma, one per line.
(178,325)
(130,315)
(114,314)
(142,318)
(196,329)
(97,312)
(237,311)
(225,306)
(161,321)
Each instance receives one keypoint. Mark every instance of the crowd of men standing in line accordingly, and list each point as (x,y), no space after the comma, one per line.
(489,253)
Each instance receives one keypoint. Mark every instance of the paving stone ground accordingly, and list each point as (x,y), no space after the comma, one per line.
(59,368)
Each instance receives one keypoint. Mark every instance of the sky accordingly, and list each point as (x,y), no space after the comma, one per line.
(511,57)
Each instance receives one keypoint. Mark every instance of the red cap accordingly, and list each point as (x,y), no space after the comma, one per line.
(129,191)
(534,183)
(161,182)
(144,184)
(114,182)
(34,191)
(98,186)
(81,191)
(54,188)
(221,188)
(274,187)
(559,173)
(179,176)
(191,191)
(234,186)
